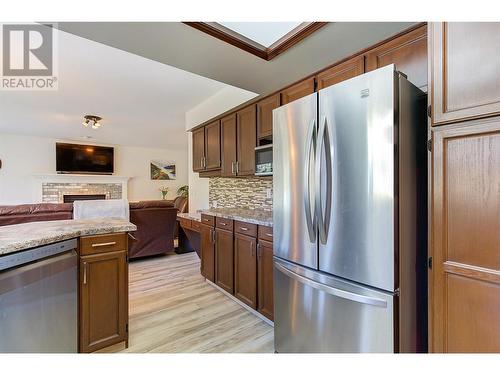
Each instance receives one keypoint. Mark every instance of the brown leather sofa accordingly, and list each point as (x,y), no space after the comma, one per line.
(25,213)
(156,222)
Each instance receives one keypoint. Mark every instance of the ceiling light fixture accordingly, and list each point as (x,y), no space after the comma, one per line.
(92,120)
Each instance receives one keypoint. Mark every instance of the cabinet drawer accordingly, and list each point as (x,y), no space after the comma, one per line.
(223,223)
(207,220)
(245,228)
(195,225)
(265,233)
(103,243)
(185,223)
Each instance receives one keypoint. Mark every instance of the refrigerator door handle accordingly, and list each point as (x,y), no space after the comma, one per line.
(324,219)
(310,151)
(331,290)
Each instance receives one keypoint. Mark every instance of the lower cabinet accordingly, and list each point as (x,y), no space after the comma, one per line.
(245,269)
(207,239)
(224,259)
(103,296)
(265,279)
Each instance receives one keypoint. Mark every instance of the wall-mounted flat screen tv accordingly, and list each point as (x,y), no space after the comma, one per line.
(74,158)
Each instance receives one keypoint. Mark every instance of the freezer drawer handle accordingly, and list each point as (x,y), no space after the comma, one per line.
(330,290)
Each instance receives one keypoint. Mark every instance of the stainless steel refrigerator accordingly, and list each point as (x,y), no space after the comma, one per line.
(349,216)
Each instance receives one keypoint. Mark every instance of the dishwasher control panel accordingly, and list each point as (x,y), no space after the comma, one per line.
(31,255)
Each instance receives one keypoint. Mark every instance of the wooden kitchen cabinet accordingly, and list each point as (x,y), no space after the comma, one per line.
(297,91)
(265,115)
(246,133)
(212,146)
(341,72)
(103,296)
(228,145)
(224,259)
(265,278)
(207,240)
(198,149)
(465,275)
(407,52)
(245,269)
(465,70)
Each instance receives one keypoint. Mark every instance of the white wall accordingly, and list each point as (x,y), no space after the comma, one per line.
(23,157)
(222,101)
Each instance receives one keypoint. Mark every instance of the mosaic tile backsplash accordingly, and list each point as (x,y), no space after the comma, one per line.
(253,193)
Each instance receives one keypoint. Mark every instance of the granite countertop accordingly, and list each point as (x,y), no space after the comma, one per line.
(248,215)
(191,216)
(25,236)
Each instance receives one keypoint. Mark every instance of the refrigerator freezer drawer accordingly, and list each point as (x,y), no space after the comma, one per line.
(317,313)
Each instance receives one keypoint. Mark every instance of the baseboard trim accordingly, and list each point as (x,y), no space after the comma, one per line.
(255,312)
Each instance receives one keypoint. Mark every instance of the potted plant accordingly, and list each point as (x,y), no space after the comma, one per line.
(183,191)
(164,192)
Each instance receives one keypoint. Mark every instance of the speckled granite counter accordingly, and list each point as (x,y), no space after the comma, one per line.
(190,216)
(24,236)
(259,217)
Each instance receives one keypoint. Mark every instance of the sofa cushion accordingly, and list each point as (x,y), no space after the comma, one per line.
(151,204)
(35,209)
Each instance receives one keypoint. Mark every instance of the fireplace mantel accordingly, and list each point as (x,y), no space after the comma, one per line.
(54,185)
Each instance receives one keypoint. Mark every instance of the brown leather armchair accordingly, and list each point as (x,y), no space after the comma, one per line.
(155,222)
(181,203)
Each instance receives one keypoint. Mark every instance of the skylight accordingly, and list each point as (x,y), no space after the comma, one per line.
(264,33)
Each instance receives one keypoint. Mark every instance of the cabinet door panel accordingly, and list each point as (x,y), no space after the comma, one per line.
(245,269)
(297,91)
(465,276)
(207,252)
(247,140)
(341,72)
(224,260)
(465,67)
(198,149)
(228,143)
(212,146)
(408,52)
(265,115)
(104,296)
(265,279)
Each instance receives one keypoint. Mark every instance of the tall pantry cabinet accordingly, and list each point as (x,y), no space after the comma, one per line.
(464,258)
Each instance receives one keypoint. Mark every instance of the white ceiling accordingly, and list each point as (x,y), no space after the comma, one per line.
(264,33)
(142,102)
(184,47)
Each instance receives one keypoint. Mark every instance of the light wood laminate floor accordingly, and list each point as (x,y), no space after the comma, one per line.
(173,310)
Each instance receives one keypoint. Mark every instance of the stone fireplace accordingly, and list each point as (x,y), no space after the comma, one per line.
(54,188)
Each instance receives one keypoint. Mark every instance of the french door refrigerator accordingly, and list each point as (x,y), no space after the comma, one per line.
(349,216)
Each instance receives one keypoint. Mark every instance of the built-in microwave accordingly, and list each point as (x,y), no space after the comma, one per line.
(264,160)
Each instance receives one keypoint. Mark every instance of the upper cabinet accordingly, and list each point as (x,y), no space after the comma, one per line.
(465,70)
(206,148)
(246,134)
(341,72)
(265,115)
(212,146)
(199,150)
(228,144)
(408,52)
(297,91)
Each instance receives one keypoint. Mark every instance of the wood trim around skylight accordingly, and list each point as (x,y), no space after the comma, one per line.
(229,36)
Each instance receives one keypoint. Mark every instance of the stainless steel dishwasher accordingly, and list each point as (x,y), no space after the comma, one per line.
(38,299)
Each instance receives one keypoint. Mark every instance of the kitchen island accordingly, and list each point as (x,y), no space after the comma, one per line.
(74,273)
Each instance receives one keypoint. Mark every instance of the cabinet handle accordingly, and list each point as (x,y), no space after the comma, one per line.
(253,250)
(223,224)
(237,167)
(201,162)
(244,229)
(214,234)
(84,273)
(259,251)
(204,162)
(233,171)
(104,244)
(269,234)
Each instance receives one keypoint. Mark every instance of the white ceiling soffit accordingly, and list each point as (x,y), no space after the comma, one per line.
(142,102)
(184,47)
(263,33)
